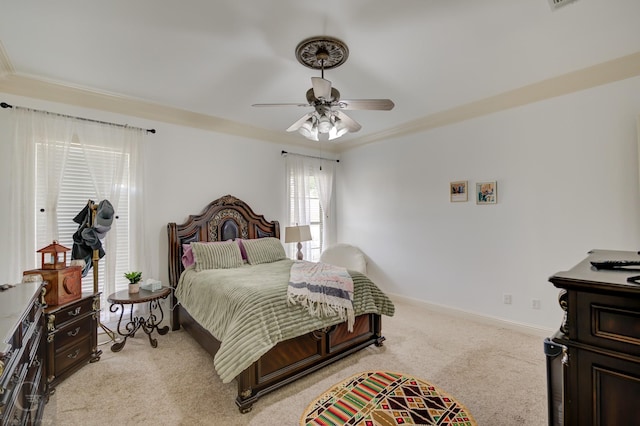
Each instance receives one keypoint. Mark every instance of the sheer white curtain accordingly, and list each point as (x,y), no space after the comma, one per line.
(117,175)
(112,157)
(324,173)
(54,135)
(310,183)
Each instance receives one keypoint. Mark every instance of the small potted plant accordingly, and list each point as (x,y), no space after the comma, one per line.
(134,281)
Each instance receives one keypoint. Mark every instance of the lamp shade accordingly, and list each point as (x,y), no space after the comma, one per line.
(296,234)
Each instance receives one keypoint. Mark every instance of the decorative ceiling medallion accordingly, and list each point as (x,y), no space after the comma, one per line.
(322,52)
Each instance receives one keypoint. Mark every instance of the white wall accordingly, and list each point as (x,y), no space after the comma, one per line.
(567,177)
(185,169)
(567,172)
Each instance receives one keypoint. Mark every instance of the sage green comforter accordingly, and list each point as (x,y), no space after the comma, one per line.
(246,310)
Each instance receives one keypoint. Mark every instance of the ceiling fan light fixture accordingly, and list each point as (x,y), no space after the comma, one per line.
(334,133)
(338,129)
(314,134)
(307,128)
(324,124)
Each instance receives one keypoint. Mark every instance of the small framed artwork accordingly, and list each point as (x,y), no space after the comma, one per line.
(458,191)
(487,192)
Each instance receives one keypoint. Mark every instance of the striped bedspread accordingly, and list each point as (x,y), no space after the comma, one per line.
(325,290)
(246,309)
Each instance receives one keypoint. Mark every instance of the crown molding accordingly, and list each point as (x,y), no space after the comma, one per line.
(6,68)
(596,75)
(586,78)
(104,101)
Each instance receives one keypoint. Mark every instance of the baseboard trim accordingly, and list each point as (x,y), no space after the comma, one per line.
(473,316)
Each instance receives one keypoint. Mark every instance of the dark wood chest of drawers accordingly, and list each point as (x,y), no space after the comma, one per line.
(22,385)
(600,345)
(71,337)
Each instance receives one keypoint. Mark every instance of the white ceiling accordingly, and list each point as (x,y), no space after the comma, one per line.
(216,58)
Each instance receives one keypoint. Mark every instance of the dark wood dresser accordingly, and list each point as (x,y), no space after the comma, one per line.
(71,337)
(22,385)
(595,379)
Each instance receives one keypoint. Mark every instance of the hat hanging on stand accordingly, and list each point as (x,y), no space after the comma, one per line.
(95,222)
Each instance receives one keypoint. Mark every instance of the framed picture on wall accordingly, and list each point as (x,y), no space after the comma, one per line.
(458,191)
(487,192)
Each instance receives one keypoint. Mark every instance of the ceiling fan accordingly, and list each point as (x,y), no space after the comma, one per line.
(322,53)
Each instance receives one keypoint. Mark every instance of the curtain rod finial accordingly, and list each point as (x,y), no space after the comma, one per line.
(5,105)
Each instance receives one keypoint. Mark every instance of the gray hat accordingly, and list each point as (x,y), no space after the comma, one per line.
(90,238)
(104,215)
(104,218)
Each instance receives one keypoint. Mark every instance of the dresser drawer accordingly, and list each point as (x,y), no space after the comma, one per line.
(72,355)
(64,314)
(72,332)
(608,321)
(12,395)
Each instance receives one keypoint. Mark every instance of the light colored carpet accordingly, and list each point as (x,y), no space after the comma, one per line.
(497,373)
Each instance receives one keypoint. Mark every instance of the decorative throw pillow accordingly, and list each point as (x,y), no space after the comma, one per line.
(187,256)
(222,255)
(243,252)
(264,250)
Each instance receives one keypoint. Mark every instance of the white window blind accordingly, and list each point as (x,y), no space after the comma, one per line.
(312,206)
(76,188)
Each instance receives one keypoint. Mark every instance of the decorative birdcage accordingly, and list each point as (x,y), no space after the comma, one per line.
(54,256)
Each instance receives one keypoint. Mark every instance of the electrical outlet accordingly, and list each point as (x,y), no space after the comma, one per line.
(535,303)
(506,299)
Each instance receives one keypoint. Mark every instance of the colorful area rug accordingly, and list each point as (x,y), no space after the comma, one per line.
(381,398)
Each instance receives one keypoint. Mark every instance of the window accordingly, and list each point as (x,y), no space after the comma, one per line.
(60,164)
(76,187)
(313,248)
(310,196)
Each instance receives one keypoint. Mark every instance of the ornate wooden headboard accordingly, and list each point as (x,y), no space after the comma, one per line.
(226,218)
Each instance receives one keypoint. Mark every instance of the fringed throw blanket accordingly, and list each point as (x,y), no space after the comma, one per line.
(326,290)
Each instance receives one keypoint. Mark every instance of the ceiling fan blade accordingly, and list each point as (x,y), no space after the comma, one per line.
(349,122)
(321,88)
(295,126)
(376,104)
(280,105)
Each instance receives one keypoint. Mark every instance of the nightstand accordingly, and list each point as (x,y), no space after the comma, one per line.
(71,337)
(152,322)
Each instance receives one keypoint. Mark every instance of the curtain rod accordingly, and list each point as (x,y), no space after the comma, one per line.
(6,105)
(309,156)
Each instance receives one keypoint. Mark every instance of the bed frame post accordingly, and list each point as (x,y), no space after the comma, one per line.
(174,273)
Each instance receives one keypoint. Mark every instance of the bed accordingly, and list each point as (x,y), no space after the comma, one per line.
(229,218)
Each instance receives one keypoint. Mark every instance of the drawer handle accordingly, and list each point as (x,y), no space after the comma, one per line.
(75,312)
(74,355)
(74,332)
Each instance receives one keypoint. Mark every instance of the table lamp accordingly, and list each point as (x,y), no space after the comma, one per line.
(293,234)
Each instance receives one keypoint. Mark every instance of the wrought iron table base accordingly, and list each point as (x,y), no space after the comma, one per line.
(139,322)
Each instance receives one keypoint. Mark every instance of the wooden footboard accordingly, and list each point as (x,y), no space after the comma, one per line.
(293,358)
